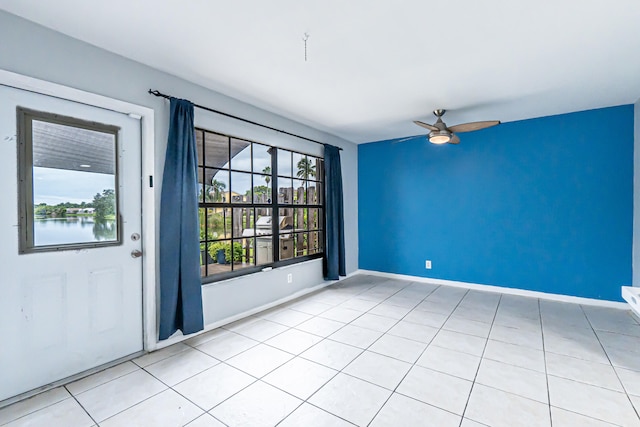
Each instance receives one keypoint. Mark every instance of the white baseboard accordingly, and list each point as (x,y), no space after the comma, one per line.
(502,290)
(178,337)
(632,296)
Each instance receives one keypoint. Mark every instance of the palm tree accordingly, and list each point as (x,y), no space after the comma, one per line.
(216,189)
(267,171)
(306,169)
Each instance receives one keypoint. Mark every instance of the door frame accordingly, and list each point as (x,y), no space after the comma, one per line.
(146,117)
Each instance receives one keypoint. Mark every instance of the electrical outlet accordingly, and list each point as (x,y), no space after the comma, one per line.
(427,264)
(289,278)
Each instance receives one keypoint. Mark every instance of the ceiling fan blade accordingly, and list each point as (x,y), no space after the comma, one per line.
(468,127)
(454,139)
(425,125)
(407,139)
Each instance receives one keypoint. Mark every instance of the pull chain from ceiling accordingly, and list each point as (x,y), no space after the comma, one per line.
(304,39)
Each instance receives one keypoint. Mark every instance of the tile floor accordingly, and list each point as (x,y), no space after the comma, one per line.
(374,352)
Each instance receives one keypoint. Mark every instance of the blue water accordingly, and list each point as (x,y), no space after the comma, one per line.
(61,231)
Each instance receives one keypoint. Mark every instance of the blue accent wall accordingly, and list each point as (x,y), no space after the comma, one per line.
(543,204)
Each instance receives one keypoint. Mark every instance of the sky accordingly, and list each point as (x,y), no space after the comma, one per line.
(53,186)
(261,159)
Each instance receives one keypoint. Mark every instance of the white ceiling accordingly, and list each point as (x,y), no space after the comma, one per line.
(373,65)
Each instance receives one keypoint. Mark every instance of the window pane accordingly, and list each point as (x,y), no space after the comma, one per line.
(243,222)
(301,244)
(300,219)
(201,190)
(199,146)
(284,162)
(264,239)
(286,220)
(74,191)
(285,191)
(240,187)
(243,250)
(264,249)
(263,221)
(218,223)
(305,167)
(216,150)
(315,242)
(220,255)
(216,187)
(286,246)
(314,192)
(261,188)
(299,193)
(240,155)
(319,168)
(262,158)
(202,223)
(314,219)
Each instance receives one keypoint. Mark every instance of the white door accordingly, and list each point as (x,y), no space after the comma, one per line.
(70,289)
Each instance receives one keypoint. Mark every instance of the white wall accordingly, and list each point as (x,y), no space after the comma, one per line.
(35,51)
(635,260)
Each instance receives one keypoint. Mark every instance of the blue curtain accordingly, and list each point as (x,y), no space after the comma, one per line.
(333,261)
(180,283)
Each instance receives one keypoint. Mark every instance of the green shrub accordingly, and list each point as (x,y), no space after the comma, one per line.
(226,246)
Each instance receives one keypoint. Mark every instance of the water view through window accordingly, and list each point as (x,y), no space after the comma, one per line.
(72,207)
(70,190)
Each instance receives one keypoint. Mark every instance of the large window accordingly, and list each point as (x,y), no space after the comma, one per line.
(259,205)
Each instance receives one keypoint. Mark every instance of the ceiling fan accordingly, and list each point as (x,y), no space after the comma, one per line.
(441,134)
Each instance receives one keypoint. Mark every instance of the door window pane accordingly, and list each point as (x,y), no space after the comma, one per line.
(69,185)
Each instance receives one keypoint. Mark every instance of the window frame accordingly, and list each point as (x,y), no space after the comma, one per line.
(275,206)
(26,224)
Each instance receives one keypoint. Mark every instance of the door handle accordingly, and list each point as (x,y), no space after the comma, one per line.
(136,253)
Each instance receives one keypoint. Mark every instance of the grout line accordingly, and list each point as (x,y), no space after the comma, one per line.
(468,297)
(366,349)
(340,370)
(420,355)
(486,343)
(544,356)
(611,364)
(317,407)
(260,379)
(137,403)
(82,406)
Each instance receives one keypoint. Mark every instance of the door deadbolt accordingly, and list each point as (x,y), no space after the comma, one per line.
(135,237)
(136,253)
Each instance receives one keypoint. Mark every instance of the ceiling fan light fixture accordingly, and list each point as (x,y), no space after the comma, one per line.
(441,137)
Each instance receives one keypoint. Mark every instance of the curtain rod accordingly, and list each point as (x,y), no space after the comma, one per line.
(162,95)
